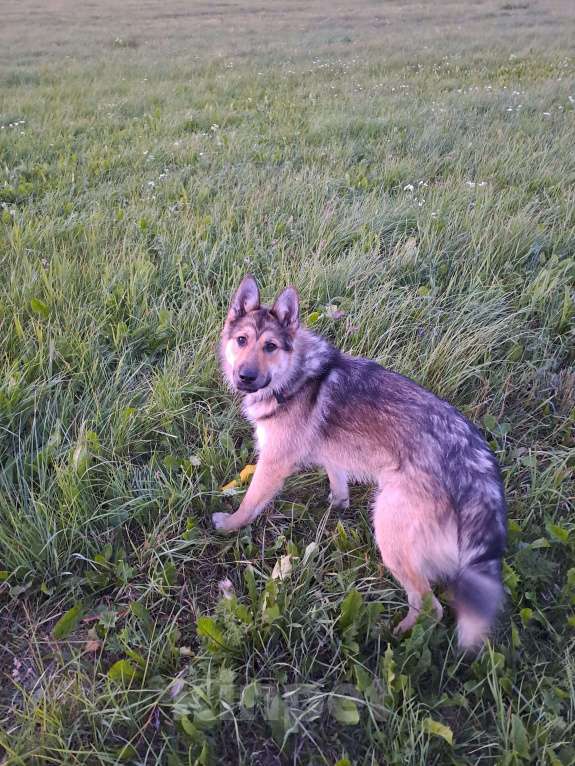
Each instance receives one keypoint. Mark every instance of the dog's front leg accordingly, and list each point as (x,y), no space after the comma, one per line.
(267,481)
(338,489)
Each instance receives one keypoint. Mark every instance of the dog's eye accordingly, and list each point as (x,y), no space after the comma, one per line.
(269,347)
(242,340)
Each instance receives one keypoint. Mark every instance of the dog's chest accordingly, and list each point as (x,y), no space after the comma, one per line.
(261,436)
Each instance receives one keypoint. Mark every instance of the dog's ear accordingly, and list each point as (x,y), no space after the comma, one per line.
(246,298)
(286,308)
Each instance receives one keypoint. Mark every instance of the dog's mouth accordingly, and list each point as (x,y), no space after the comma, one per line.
(251,388)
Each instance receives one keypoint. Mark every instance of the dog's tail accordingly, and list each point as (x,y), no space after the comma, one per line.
(478,597)
(477,588)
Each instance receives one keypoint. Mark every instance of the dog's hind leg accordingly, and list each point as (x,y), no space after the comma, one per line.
(339,491)
(416,588)
(398,518)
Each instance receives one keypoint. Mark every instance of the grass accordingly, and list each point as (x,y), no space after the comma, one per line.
(410,164)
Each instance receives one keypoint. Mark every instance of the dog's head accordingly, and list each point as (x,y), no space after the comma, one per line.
(257,341)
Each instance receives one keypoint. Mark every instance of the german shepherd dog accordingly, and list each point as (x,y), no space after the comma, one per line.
(439,512)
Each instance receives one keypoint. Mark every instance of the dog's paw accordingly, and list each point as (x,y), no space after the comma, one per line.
(404,626)
(219,520)
(338,503)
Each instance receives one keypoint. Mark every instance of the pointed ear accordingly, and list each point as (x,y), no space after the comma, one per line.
(246,298)
(286,308)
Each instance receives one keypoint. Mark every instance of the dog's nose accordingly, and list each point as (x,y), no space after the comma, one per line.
(247,375)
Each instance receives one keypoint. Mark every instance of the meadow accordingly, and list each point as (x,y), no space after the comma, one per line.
(409,166)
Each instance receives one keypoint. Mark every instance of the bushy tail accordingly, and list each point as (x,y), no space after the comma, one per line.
(474,482)
(478,597)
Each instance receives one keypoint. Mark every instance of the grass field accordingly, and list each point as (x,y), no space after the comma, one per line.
(410,163)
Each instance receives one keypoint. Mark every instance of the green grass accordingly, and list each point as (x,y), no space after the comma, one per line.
(411,165)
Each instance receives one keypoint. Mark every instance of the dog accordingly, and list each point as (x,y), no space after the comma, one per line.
(439,512)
